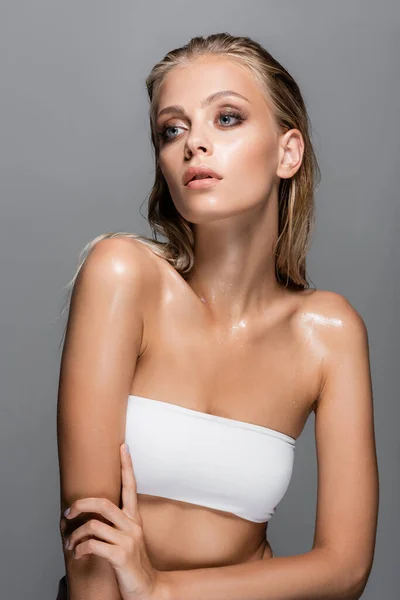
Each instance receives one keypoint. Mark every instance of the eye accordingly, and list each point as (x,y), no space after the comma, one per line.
(235,114)
(163,134)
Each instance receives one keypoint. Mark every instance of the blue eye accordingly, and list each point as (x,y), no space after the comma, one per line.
(163,134)
(234,115)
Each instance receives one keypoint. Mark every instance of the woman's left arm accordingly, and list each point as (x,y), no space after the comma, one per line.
(340,561)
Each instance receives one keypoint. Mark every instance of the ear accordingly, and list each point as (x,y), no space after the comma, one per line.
(291,150)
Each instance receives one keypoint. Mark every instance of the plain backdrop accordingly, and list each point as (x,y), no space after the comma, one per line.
(76,162)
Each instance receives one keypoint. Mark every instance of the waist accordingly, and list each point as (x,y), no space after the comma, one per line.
(201,537)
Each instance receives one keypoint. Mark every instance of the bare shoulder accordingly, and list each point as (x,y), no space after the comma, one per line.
(123,255)
(337,334)
(331,315)
(329,327)
(123,261)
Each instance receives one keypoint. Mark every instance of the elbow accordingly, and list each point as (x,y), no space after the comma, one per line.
(357,582)
(353,577)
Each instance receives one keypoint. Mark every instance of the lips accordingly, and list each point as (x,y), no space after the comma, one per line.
(202,170)
(201,184)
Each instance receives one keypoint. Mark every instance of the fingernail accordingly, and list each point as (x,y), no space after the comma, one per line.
(126,448)
(66,513)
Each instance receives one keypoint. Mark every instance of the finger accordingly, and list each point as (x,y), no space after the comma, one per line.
(97,528)
(108,551)
(129,490)
(101,506)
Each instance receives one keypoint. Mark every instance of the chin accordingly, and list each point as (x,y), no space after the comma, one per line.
(202,212)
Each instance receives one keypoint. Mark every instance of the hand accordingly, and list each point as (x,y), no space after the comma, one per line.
(123,545)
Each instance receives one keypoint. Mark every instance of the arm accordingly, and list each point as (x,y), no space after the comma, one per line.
(339,563)
(103,340)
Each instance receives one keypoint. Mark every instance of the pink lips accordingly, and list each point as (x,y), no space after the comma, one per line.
(204,170)
(198,184)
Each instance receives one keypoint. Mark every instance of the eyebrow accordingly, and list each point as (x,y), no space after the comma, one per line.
(177,108)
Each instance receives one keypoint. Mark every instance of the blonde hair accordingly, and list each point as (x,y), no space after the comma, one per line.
(296,195)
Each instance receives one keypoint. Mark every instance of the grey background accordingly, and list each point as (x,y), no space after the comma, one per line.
(75,162)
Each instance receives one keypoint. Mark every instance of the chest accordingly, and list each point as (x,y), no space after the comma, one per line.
(262,373)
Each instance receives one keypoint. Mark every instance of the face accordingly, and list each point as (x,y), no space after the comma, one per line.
(235,136)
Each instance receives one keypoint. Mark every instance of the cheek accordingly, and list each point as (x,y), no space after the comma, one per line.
(249,161)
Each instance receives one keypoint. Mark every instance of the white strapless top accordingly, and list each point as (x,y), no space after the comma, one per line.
(208,460)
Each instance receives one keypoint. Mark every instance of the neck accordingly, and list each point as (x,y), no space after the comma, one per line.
(234,270)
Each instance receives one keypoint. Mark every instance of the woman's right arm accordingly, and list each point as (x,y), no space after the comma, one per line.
(102,344)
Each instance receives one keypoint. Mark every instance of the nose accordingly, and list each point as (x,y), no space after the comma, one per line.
(197,141)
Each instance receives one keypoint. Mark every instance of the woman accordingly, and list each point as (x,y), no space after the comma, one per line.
(207,354)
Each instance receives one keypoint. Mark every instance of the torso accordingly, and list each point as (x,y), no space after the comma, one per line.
(267,374)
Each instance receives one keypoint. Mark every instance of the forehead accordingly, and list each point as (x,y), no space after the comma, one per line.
(189,84)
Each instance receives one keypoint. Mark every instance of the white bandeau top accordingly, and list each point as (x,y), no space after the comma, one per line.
(208,460)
